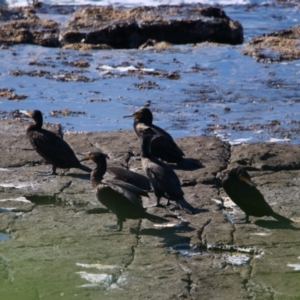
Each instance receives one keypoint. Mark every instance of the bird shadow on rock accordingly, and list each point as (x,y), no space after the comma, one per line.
(86,176)
(169,234)
(272,224)
(188,164)
(97,210)
(175,208)
(195,210)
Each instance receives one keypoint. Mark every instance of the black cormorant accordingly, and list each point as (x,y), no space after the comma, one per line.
(163,179)
(129,176)
(123,174)
(122,198)
(50,146)
(164,148)
(242,191)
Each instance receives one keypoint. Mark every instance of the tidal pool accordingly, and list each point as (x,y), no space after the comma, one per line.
(4,237)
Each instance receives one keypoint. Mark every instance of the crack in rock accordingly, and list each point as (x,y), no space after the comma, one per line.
(112,278)
(48,199)
(246,277)
(4,266)
(259,291)
(68,184)
(133,248)
(201,230)
(232,234)
(188,280)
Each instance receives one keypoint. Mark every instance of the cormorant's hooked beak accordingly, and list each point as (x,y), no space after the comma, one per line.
(247,180)
(133,115)
(26,113)
(87,155)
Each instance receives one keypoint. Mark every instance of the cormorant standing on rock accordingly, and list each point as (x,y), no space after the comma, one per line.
(122,198)
(163,179)
(242,191)
(50,146)
(166,149)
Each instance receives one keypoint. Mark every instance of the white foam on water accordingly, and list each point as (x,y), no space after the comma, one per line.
(276,140)
(131,2)
(105,68)
(240,141)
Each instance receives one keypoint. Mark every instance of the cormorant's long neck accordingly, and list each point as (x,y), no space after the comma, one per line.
(146,119)
(145,145)
(135,125)
(98,173)
(37,125)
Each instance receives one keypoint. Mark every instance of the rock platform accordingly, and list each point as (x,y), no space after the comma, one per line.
(58,247)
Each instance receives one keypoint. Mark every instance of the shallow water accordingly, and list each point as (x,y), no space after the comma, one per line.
(218,90)
(4,237)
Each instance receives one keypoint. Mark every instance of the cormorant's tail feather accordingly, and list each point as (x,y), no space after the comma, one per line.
(85,168)
(184,205)
(281,218)
(155,219)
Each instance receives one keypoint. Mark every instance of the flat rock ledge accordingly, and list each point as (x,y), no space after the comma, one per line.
(104,27)
(54,244)
(278,46)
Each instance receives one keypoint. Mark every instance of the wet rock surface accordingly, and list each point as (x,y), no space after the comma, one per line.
(109,27)
(58,246)
(275,47)
(21,25)
(131,28)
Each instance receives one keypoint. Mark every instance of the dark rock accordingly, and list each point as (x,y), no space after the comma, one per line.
(108,27)
(86,47)
(277,46)
(30,30)
(266,156)
(55,226)
(10,14)
(131,28)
